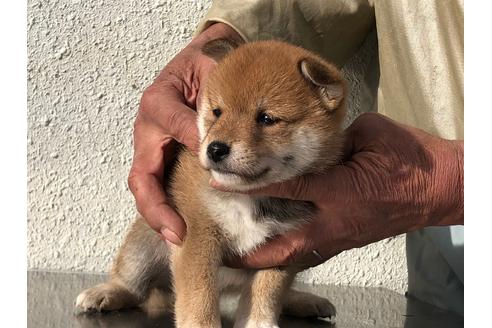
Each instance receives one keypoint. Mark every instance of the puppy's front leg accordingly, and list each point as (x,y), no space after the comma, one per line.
(261,302)
(195,269)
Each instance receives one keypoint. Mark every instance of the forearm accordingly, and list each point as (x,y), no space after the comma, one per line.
(334,29)
(216,31)
(189,62)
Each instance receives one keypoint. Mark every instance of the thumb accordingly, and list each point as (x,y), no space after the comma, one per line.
(300,188)
(337,182)
(182,126)
(279,251)
(294,249)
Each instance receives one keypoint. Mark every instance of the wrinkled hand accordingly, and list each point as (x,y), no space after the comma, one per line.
(166,115)
(395,179)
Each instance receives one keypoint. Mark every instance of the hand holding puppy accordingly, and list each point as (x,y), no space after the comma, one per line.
(395,179)
(166,115)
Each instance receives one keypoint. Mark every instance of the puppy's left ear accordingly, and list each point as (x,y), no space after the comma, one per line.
(217,49)
(326,79)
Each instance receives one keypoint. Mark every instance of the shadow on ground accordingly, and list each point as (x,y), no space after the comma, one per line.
(50,299)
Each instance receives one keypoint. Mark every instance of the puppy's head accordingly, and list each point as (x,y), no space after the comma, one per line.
(269,111)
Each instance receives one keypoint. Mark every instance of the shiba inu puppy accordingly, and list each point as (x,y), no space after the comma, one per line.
(269,112)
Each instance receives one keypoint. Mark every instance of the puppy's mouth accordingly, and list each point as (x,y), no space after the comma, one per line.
(249,176)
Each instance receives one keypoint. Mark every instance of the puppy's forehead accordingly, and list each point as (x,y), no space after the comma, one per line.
(255,73)
(260,65)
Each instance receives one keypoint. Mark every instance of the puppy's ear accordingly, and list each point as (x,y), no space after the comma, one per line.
(326,79)
(219,48)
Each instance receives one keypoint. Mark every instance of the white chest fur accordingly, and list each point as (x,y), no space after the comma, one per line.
(236,217)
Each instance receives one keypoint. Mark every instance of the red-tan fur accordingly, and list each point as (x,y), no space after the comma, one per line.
(262,76)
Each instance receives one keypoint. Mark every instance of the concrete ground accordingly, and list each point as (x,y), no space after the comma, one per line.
(51,296)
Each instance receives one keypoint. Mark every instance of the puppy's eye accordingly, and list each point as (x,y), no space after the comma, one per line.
(265,119)
(217,112)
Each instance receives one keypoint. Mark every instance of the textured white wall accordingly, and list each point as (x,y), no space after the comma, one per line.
(89,62)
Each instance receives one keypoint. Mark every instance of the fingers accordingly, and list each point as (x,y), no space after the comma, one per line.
(300,188)
(152,205)
(145,182)
(335,184)
(162,116)
(279,251)
(292,249)
(163,105)
(183,128)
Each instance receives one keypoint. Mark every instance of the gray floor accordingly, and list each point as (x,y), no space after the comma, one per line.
(50,298)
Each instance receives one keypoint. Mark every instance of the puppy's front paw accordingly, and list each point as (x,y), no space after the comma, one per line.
(262,325)
(304,305)
(255,324)
(104,297)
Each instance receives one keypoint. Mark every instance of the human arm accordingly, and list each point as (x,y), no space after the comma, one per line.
(334,29)
(167,114)
(394,179)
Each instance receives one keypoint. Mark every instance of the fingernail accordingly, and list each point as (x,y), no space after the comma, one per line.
(171,236)
(168,243)
(214,184)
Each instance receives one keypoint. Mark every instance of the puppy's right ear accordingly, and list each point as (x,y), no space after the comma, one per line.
(326,79)
(219,48)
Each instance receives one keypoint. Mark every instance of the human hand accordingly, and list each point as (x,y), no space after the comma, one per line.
(167,115)
(395,179)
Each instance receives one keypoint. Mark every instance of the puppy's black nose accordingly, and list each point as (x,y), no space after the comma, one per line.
(217,151)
